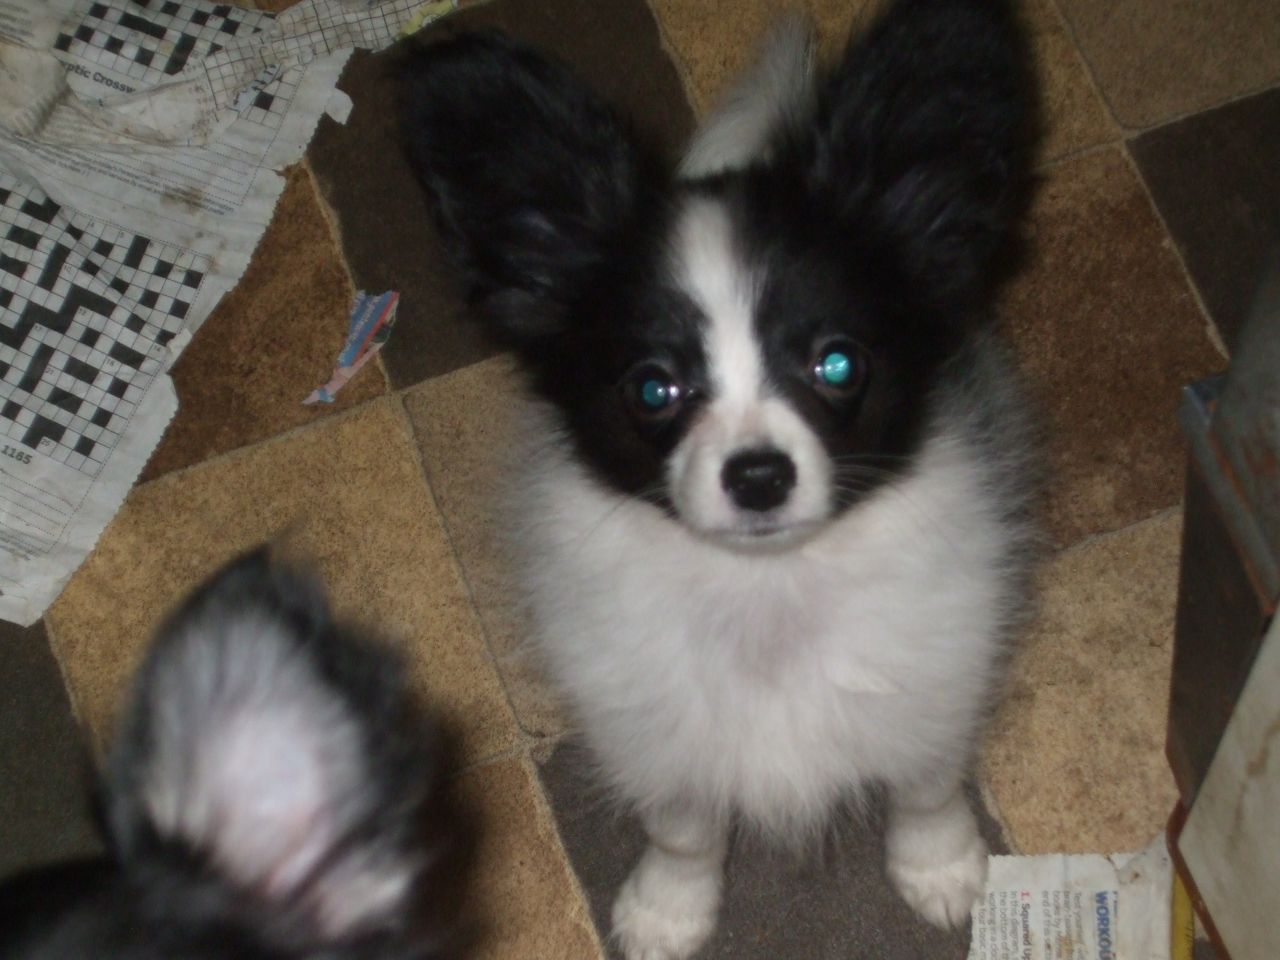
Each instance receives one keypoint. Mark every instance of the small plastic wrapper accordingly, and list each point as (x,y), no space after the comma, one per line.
(368,328)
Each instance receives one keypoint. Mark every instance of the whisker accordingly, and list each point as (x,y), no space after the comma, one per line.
(849,487)
(641,496)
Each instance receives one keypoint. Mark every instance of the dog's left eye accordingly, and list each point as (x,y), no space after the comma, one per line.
(652,392)
(840,369)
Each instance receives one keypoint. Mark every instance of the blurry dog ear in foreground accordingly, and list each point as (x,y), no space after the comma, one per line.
(272,783)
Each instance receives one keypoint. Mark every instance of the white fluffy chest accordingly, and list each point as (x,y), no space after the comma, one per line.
(770,682)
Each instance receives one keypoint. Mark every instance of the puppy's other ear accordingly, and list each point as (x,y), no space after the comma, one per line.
(278,755)
(925,136)
(531,179)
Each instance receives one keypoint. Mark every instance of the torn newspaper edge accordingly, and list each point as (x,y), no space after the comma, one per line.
(135,182)
(1076,907)
(372,318)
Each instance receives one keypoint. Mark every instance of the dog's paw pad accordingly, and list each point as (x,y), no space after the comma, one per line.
(943,893)
(661,928)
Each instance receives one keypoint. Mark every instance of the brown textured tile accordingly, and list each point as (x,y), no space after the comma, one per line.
(1155,60)
(614,45)
(464,424)
(1107,330)
(1074,116)
(353,495)
(270,342)
(1216,179)
(714,41)
(1075,759)
(525,899)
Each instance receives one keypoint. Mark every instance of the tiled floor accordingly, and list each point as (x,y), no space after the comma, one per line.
(1158,207)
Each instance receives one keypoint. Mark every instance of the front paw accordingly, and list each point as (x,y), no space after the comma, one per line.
(664,912)
(943,891)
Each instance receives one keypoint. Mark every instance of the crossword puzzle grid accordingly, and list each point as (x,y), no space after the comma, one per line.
(164,36)
(156,38)
(85,312)
(267,99)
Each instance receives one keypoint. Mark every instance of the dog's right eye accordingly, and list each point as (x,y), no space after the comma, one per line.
(840,369)
(652,392)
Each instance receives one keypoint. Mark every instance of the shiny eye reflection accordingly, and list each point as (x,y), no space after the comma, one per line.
(652,392)
(656,394)
(835,368)
(840,369)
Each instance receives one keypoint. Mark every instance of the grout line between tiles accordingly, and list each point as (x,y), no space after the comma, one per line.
(678,61)
(1132,133)
(1106,535)
(1088,67)
(1211,330)
(1127,132)
(318,422)
(329,214)
(398,400)
(330,218)
(49,635)
(1115,132)
(575,882)
(228,455)
(334,225)
(502,756)
(526,743)
(1078,154)
(382,369)
(524,752)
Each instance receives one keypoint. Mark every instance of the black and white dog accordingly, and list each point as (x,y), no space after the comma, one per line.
(272,794)
(775,510)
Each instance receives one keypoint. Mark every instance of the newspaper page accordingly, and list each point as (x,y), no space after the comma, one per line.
(1076,907)
(139,144)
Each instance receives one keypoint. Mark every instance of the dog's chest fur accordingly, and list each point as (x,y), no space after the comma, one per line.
(773,683)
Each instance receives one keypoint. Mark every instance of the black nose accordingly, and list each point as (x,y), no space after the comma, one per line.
(758,479)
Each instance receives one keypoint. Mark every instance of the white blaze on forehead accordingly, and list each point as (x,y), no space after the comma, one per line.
(710,270)
(742,411)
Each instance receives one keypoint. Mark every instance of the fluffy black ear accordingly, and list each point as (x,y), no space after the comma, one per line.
(531,179)
(270,754)
(925,134)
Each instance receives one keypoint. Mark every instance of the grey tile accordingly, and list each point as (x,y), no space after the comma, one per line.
(831,905)
(381,212)
(44,813)
(1216,180)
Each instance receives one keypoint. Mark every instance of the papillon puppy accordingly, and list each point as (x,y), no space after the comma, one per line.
(776,503)
(273,793)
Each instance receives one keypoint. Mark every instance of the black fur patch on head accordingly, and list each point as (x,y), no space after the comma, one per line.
(887,215)
(923,139)
(557,216)
(533,182)
(891,217)
(629,319)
